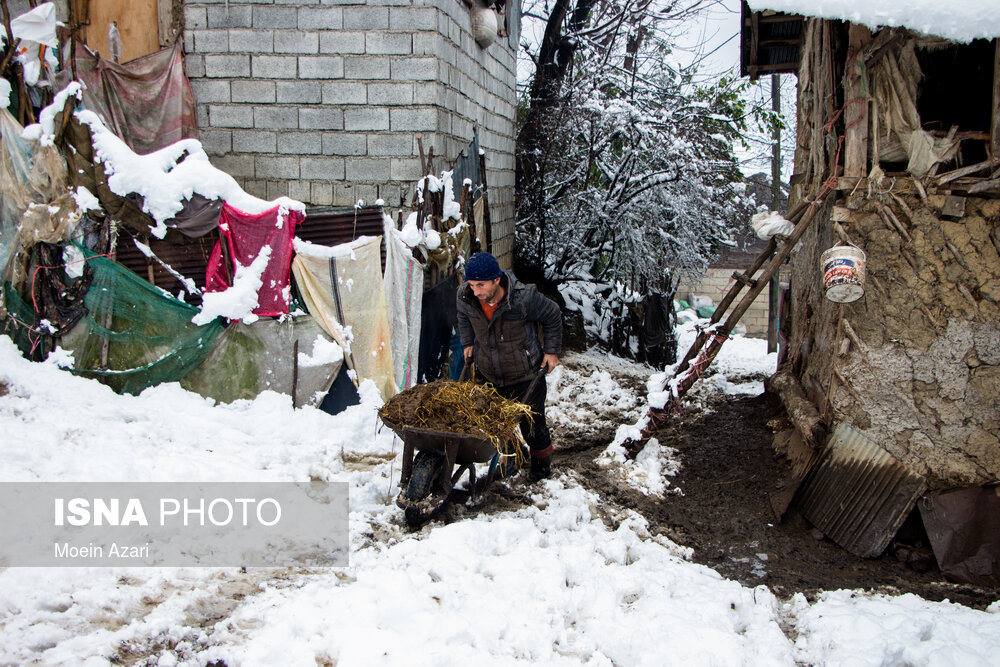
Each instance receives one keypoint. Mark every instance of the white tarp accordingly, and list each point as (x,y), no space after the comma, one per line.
(404,288)
(37,31)
(344,290)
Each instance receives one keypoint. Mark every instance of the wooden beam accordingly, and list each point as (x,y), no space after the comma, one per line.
(966,171)
(801,411)
(856,104)
(995,126)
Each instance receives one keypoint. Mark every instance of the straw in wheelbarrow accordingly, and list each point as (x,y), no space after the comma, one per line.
(460,407)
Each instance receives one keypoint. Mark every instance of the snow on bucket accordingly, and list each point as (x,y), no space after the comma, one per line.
(843,269)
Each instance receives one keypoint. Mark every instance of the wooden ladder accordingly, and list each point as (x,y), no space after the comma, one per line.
(709,340)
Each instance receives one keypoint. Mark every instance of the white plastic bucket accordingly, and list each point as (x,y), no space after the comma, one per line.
(843,270)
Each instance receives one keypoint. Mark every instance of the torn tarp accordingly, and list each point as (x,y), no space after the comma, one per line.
(291,356)
(147,102)
(244,235)
(964,530)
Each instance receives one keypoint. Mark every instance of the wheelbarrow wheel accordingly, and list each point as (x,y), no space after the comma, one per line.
(423,475)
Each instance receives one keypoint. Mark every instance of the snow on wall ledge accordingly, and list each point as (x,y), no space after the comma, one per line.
(957,21)
(926,381)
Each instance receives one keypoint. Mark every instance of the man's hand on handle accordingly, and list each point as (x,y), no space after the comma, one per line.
(549,362)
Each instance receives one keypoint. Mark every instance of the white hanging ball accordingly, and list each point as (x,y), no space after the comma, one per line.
(485,25)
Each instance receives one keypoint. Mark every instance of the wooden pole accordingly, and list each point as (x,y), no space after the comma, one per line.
(995,126)
(855,105)
(487,224)
(773,290)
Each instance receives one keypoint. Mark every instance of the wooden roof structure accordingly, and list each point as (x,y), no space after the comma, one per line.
(770,42)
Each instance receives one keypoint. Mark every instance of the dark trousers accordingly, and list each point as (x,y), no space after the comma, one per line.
(535,430)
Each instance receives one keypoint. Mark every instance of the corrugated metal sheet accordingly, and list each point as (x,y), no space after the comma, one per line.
(330,225)
(189,257)
(859,494)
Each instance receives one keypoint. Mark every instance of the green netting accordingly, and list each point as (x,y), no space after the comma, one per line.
(136,335)
(17,320)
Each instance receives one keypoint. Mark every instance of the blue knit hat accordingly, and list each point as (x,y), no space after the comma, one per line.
(482,266)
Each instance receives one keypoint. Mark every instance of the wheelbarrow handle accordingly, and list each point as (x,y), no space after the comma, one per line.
(531,387)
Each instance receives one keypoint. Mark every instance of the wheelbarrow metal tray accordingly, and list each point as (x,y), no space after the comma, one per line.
(471,448)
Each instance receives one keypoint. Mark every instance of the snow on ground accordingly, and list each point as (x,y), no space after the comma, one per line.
(548,584)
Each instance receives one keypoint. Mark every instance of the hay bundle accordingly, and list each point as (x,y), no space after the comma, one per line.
(460,407)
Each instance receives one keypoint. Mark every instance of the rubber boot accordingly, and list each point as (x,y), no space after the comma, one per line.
(541,467)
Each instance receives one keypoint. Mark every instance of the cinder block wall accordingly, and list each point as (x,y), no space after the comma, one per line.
(323,101)
(717,282)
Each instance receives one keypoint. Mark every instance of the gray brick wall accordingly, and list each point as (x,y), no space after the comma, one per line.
(716,283)
(322,100)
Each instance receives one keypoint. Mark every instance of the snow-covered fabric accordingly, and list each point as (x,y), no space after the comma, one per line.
(247,359)
(343,287)
(147,102)
(245,236)
(768,223)
(404,287)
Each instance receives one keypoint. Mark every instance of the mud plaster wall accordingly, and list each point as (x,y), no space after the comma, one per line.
(924,383)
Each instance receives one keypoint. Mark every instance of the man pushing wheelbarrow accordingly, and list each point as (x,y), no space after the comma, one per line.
(446,424)
(498,321)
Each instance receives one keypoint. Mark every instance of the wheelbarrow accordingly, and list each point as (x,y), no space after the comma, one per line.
(434,461)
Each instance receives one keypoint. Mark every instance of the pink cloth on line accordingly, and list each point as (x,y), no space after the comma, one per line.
(245,234)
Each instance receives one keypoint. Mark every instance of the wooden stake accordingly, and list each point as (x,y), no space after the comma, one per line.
(892,223)
(921,191)
(849,330)
(958,257)
(801,412)
(907,211)
(968,297)
(927,312)
(295,371)
(487,222)
(847,385)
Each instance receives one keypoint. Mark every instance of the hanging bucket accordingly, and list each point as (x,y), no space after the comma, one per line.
(843,270)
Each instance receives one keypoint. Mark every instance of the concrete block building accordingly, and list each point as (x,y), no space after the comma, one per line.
(324,101)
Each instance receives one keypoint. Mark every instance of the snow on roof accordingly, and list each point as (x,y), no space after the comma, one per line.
(959,21)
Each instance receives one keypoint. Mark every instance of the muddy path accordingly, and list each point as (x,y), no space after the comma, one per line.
(718,503)
(723,511)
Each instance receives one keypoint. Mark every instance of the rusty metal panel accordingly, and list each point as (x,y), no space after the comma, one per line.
(331,225)
(859,494)
(186,256)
